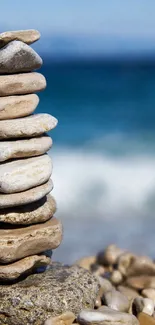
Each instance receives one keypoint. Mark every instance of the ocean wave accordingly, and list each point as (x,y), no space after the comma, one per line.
(88,184)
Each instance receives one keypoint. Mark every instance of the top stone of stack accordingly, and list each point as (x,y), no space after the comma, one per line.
(26,36)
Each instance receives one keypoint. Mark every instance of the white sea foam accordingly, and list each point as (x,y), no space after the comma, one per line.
(90,184)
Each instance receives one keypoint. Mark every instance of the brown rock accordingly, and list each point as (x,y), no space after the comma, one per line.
(22,242)
(30,148)
(66,318)
(30,126)
(130,265)
(36,212)
(26,197)
(109,256)
(28,36)
(17,106)
(22,83)
(141,282)
(24,266)
(145,319)
(86,262)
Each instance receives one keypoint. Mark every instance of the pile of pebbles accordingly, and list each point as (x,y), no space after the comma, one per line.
(127,288)
(28,230)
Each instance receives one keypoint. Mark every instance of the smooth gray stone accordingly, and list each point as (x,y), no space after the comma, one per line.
(17,56)
(21,175)
(116,300)
(106,316)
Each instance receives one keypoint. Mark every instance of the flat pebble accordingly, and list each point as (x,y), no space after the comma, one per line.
(30,126)
(30,148)
(17,106)
(26,197)
(21,242)
(28,264)
(35,171)
(32,213)
(106,316)
(28,36)
(22,83)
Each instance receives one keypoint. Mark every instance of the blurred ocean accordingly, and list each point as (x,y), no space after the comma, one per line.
(103,153)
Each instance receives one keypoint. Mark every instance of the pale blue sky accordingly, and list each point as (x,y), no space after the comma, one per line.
(133,18)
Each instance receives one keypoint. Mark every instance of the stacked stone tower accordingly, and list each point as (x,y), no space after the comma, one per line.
(28,230)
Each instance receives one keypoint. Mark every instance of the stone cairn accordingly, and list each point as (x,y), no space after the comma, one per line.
(28,229)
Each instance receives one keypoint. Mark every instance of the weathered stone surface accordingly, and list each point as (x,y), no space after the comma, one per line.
(36,212)
(105,316)
(130,265)
(30,126)
(145,319)
(66,318)
(21,242)
(22,83)
(28,264)
(110,255)
(116,300)
(144,305)
(24,148)
(21,175)
(28,36)
(26,197)
(17,106)
(41,296)
(17,56)
(149,293)
(86,262)
(141,282)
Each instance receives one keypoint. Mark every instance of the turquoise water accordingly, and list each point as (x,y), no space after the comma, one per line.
(103,153)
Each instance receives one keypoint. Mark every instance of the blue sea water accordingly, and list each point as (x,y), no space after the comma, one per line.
(103,153)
